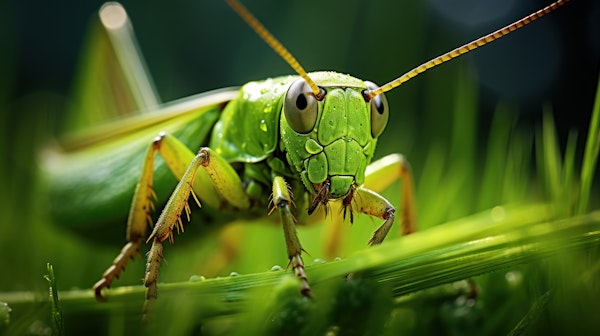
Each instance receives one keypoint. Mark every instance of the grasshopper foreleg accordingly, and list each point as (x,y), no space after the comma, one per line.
(282,201)
(383,172)
(379,175)
(371,203)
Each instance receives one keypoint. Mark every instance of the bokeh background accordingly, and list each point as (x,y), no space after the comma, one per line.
(194,46)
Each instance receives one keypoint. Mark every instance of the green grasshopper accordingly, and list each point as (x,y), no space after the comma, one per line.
(300,146)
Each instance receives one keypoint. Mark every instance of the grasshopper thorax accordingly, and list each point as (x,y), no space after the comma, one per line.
(330,139)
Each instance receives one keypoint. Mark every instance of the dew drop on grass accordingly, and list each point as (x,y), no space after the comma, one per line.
(263,126)
(4,314)
(267,108)
(514,278)
(498,214)
(197,278)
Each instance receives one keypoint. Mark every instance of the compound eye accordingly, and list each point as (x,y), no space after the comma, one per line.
(379,111)
(300,107)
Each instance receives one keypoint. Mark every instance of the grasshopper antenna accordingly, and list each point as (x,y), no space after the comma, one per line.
(275,45)
(370,94)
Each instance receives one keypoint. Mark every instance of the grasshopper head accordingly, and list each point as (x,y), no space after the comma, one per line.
(331,140)
(332,121)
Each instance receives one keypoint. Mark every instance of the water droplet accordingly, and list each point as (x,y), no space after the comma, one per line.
(276,268)
(233,274)
(318,261)
(514,278)
(196,278)
(268,108)
(4,314)
(263,126)
(498,214)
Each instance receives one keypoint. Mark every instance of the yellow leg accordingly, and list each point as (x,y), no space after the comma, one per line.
(379,175)
(137,222)
(334,242)
(371,203)
(216,182)
(229,241)
(283,201)
(223,178)
(383,172)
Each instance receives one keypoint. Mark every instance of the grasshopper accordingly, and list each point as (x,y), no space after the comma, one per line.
(297,146)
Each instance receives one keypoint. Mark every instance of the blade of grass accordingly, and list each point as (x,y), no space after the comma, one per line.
(491,241)
(495,168)
(549,157)
(537,308)
(568,176)
(58,327)
(590,157)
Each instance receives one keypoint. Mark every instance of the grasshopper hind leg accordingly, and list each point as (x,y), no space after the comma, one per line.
(137,223)
(129,251)
(179,160)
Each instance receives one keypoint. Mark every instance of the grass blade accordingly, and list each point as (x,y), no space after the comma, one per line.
(58,327)
(590,158)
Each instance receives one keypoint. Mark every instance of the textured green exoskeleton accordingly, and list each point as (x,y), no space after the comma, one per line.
(274,137)
(99,172)
(293,145)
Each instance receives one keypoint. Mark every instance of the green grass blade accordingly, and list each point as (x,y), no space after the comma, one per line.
(495,169)
(590,158)
(549,158)
(4,315)
(537,308)
(494,240)
(569,179)
(58,326)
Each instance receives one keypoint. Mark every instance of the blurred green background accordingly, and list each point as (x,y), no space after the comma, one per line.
(193,47)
